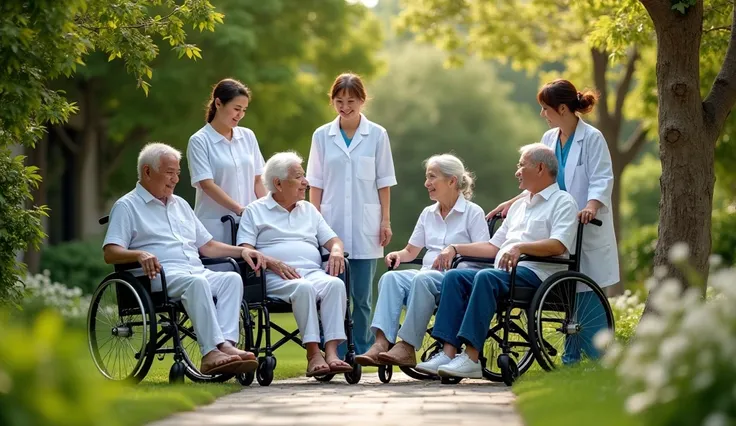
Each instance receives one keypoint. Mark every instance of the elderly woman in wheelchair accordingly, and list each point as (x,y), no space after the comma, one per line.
(289,232)
(158,230)
(453,218)
(542,224)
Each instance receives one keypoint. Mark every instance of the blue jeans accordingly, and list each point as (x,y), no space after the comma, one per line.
(468,302)
(362,272)
(592,318)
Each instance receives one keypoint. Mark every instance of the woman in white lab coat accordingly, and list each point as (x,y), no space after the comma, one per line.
(225,162)
(351,171)
(586,172)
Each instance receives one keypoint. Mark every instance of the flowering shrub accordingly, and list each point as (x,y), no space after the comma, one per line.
(40,292)
(679,366)
(627,309)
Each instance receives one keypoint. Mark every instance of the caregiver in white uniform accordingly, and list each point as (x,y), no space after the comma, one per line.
(351,172)
(225,162)
(586,172)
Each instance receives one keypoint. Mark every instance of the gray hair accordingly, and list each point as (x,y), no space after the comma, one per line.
(540,153)
(151,155)
(450,166)
(278,167)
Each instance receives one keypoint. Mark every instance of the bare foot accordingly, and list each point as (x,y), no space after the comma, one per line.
(214,359)
(337,365)
(232,350)
(316,365)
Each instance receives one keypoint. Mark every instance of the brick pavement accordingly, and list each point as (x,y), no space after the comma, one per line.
(404,402)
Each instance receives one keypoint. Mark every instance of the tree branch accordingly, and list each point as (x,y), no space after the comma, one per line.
(600,66)
(147,23)
(66,140)
(717,105)
(724,28)
(633,145)
(625,84)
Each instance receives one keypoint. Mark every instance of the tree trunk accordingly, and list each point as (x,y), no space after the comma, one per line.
(687,148)
(86,173)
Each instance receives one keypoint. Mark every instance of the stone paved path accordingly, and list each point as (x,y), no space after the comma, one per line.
(404,402)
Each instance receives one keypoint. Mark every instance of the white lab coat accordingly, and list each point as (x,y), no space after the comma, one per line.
(350,178)
(589,176)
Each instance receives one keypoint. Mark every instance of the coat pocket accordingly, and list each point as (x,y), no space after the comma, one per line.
(366,168)
(372,219)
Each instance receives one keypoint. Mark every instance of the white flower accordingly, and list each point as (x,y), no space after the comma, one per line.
(602,339)
(679,252)
(702,380)
(715,260)
(716,419)
(660,271)
(639,402)
(656,376)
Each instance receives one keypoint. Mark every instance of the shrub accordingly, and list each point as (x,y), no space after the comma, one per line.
(41,293)
(627,309)
(78,264)
(637,253)
(679,367)
(46,377)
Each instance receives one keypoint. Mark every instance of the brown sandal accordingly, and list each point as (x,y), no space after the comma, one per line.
(340,368)
(316,370)
(402,354)
(370,358)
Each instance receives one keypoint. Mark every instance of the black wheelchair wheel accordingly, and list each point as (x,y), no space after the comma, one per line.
(385,373)
(508,368)
(192,354)
(246,342)
(324,379)
(264,373)
(354,376)
(121,328)
(518,339)
(567,311)
(429,348)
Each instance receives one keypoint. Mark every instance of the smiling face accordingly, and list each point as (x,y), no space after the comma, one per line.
(439,186)
(229,114)
(552,116)
(293,188)
(347,106)
(161,183)
(527,173)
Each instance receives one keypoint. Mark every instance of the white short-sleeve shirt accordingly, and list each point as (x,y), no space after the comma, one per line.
(465,223)
(549,214)
(294,237)
(232,165)
(171,232)
(350,178)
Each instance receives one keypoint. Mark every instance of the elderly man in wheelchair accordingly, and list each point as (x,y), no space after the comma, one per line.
(542,224)
(289,232)
(157,229)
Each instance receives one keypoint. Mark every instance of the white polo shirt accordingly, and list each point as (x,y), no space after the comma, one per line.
(232,165)
(465,223)
(350,177)
(171,232)
(549,214)
(292,237)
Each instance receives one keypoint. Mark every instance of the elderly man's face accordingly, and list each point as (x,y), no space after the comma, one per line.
(294,188)
(161,183)
(528,173)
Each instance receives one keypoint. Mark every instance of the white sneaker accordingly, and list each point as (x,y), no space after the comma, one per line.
(430,366)
(461,366)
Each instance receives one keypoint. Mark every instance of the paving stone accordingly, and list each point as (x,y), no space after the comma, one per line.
(403,402)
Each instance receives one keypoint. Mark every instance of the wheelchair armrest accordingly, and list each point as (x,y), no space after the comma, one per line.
(214,261)
(326,257)
(462,259)
(120,267)
(416,261)
(554,260)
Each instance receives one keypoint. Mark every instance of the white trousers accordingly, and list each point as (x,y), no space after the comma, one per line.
(304,293)
(212,324)
(419,291)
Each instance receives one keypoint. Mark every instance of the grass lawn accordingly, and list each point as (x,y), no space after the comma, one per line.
(154,398)
(581,395)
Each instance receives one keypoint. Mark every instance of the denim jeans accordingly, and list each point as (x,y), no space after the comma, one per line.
(419,291)
(362,272)
(592,318)
(468,303)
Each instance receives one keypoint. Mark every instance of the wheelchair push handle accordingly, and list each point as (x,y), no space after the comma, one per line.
(233,229)
(596,222)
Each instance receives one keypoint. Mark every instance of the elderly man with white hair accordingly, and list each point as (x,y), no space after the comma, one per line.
(289,232)
(542,223)
(152,226)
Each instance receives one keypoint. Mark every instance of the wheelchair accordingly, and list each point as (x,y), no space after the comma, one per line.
(257,324)
(558,319)
(129,325)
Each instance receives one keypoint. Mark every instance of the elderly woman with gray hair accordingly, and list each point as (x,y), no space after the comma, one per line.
(289,232)
(452,219)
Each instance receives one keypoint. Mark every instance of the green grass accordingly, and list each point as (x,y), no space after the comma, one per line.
(581,395)
(154,398)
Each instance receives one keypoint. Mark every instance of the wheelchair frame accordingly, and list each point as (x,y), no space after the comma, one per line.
(255,298)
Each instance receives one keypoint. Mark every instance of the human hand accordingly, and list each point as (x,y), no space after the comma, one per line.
(385,233)
(249,255)
(281,269)
(149,263)
(336,263)
(443,261)
(502,208)
(510,258)
(393,260)
(589,212)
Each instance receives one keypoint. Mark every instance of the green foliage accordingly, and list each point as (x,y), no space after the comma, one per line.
(428,109)
(641,193)
(76,264)
(724,234)
(42,40)
(45,376)
(637,253)
(682,5)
